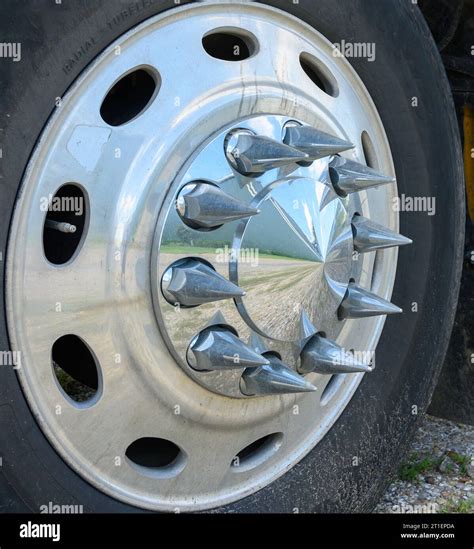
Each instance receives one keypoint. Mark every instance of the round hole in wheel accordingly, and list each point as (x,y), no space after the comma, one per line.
(130,96)
(65,224)
(319,74)
(156,457)
(76,370)
(257,452)
(229,44)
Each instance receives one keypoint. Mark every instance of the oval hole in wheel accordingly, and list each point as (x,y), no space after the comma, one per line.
(76,370)
(257,452)
(369,151)
(130,96)
(319,74)
(156,457)
(229,44)
(65,224)
(331,388)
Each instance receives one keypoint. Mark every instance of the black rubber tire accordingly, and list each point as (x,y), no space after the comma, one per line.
(59,41)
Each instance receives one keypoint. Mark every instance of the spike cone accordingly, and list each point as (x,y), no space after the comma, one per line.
(220,349)
(315,143)
(274,378)
(307,330)
(360,303)
(370,236)
(324,356)
(202,205)
(191,282)
(351,177)
(253,155)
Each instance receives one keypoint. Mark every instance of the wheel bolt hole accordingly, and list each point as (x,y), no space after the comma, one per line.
(130,96)
(230,44)
(156,457)
(370,154)
(332,387)
(76,369)
(319,74)
(257,452)
(65,223)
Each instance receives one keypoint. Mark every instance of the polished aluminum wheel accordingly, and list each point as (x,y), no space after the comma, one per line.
(232,263)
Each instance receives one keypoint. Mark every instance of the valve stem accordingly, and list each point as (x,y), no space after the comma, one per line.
(61,226)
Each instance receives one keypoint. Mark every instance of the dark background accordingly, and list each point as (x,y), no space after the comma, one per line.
(452,24)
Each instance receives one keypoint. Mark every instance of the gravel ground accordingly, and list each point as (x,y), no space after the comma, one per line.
(438,473)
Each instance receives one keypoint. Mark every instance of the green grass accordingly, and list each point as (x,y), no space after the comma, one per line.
(412,469)
(75,389)
(417,465)
(462,461)
(181,249)
(212,250)
(460,506)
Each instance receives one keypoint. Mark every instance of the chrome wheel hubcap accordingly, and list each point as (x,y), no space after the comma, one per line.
(234,247)
(265,254)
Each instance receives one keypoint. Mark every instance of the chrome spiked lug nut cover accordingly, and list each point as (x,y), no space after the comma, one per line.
(191,282)
(301,223)
(324,356)
(273,379)
(351,177)
(218,348)
(315,143)
(370,236)
(251,154)
(202,205)
(360,303)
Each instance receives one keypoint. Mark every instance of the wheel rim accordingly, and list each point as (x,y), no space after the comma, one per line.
(109,293)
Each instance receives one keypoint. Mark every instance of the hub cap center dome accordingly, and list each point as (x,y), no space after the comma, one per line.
(293,258)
